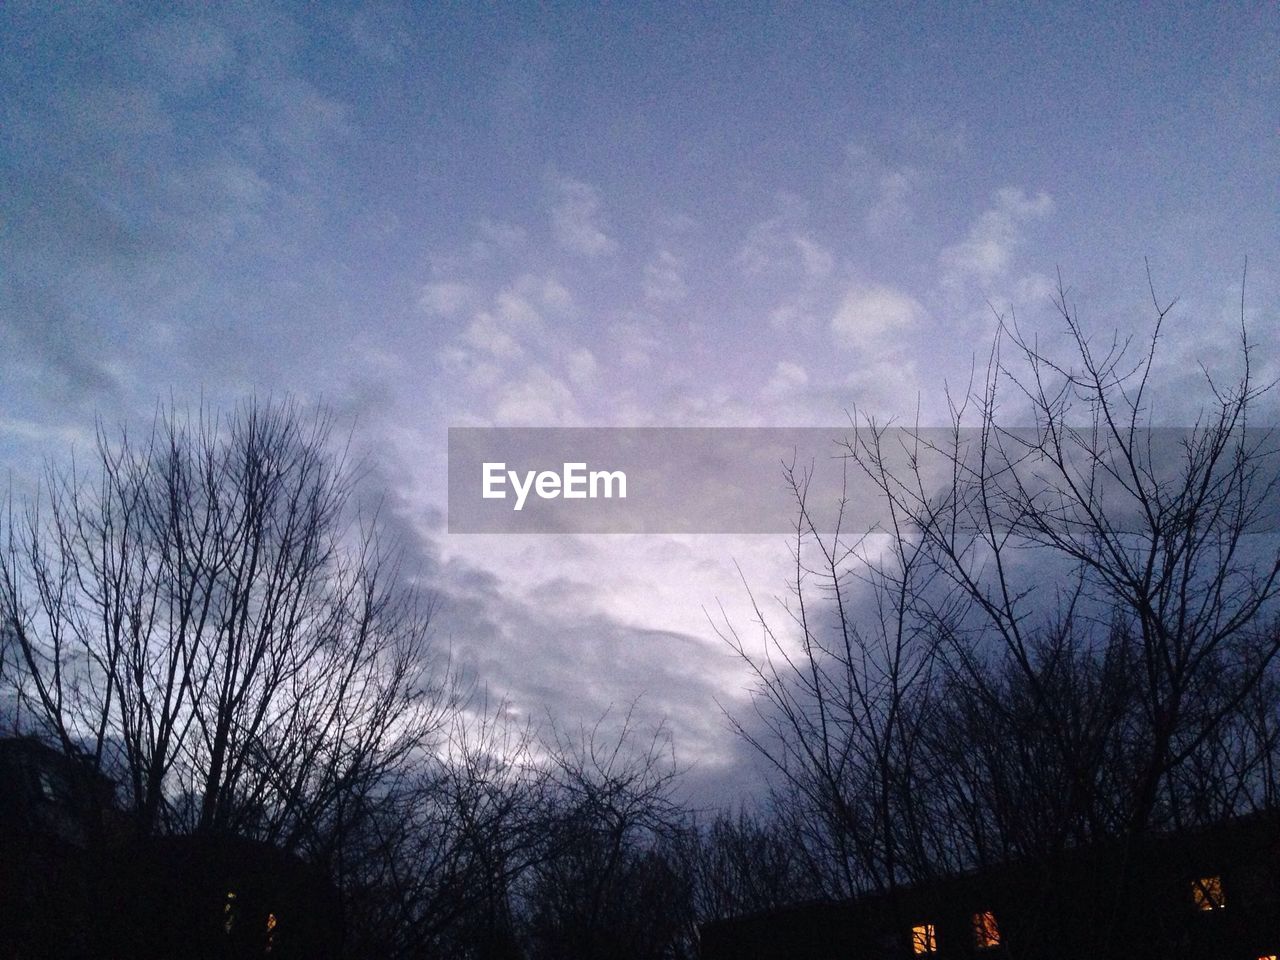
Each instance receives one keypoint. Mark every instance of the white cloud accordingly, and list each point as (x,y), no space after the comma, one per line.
(779,245)
(516,312)
(535,399)
(814,257)
(1035,288)
(892,206)
(887,386)
(583,367)
(512,326)
(786,317)
(635,342)
(663,281)
(787,378)
(446,298)
(802,315)
(553,294)
(502,330)
(577,219)
(868,315)
(889,191)
(238,183)
(496,237)
(488,335)
(510,359)
(986,253)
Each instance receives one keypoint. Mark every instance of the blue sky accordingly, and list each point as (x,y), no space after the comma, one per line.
(435,215)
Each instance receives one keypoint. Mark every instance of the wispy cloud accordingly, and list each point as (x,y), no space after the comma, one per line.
(578,221)
(893,206)
(663,279)
(890,192)
(986,253)
(787,379)
(187,52)
(869,316)
(446,298)
(784,245)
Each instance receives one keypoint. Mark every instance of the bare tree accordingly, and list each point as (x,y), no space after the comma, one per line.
(1149,535)
(203,617)
(431,865)
(612,882)
(837,696)
(1058,635)
(743,863)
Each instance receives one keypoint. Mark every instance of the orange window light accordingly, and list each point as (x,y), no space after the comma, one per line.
(923,939)
(985,931)
(1207,894)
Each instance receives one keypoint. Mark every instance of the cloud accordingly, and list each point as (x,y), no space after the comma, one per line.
(515,360)
(635,342)
(58,350)
(583,367)
(381,34)
(536,398)
(187,52)
(783,245)
(496,237)
(514,322)
(892,207)
(446,298)
(564,627)
(869,315)
(301,119)
(890,192)
(488,332)
(577,219)
(787,378)
(502,328)
(986,253)
(555,297)
(663,281)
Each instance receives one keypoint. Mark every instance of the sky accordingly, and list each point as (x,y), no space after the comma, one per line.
(435,215)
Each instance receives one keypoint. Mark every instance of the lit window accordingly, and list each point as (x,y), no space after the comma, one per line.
(923,939)
(271,932)
(229,912)
(1269,956)
(985,932)
(1206,894)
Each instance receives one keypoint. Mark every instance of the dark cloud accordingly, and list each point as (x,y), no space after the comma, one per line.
(56,351)
(560,663)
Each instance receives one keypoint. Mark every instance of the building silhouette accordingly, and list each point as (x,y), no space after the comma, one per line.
(76,883)
(1208,894)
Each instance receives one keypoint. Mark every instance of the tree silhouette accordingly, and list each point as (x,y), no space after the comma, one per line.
(203,618)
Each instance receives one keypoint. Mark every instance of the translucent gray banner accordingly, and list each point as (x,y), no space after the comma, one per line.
(729,480)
